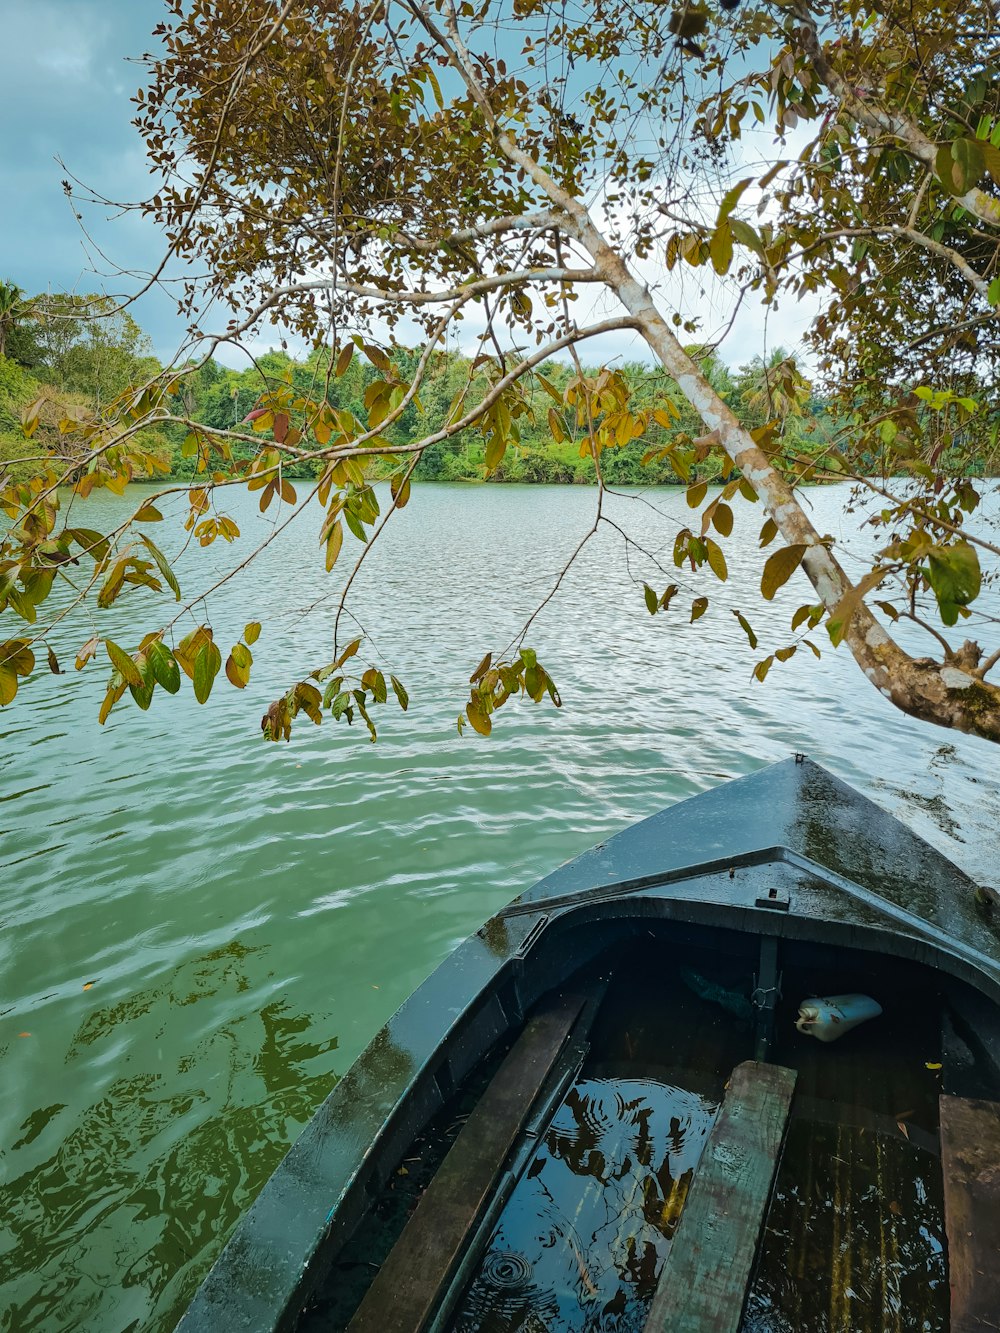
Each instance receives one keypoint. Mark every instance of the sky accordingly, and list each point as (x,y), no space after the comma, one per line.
(69,73)
(65,94)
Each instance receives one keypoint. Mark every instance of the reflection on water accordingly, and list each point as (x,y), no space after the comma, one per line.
(580,1244)
(132,853)
(855,1238)
(180,1151)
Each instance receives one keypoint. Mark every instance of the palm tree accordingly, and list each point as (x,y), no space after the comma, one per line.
(15,311)
(773,389)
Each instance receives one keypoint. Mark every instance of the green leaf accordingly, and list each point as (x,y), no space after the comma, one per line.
(207,664)
(651,599)
(955,578)
(696,493)
(968,165)
(93,543)
(778,569)
(495,450)
(163,564)
(746,235)
(732,198)
(143,694)
(720,249)
(698,608)
(164,666)
(124,664)
(374,682)
(745,626)
(22,605)
(251,632)
(16,656)
(400,693)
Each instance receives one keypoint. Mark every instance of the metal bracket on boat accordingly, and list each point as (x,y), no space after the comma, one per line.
(776,899)
(765,995)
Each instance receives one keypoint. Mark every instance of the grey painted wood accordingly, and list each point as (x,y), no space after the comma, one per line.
(408,1285)
(703,1285)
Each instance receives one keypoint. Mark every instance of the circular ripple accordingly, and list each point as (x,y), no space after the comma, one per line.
(505,1271)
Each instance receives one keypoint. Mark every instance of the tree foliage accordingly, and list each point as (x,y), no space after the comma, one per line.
(374,176)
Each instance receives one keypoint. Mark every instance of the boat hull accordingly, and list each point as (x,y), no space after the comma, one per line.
(785,870)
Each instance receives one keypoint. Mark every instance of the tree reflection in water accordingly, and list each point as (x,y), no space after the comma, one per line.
(582,1239)
(116,1226)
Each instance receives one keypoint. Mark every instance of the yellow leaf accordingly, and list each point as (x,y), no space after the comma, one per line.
(779,568)
(334,543)
(478,718)
(716,560)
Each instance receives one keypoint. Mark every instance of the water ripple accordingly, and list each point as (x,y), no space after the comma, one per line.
(201,931)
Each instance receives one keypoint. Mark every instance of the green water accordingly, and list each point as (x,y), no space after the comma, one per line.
(248,915)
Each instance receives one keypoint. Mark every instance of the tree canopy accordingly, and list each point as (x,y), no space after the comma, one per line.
(372,177)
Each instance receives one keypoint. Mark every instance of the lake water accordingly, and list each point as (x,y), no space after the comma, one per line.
(200,931)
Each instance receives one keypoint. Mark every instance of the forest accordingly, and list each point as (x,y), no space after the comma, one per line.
(71,354)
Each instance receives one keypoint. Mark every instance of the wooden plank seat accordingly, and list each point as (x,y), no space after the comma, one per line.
(970,1162)
(703,1285)
(407,1287)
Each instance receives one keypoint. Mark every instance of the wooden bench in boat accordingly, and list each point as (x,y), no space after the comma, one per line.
(970,1160)
(408,1285)
(703,1285)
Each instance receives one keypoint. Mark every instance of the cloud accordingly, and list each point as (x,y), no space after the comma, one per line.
(68,83)
(69,74)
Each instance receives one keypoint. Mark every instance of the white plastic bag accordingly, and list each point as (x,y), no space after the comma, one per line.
(829,1017)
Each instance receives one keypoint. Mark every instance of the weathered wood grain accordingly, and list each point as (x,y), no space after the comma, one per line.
(703,1286)
(407,1286)
(970,1160)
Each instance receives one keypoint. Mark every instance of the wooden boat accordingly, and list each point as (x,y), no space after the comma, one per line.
(598,1113)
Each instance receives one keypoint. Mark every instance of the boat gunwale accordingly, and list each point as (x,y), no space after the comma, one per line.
(251,1285)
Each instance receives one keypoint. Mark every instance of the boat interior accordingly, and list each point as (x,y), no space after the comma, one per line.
(632,1133)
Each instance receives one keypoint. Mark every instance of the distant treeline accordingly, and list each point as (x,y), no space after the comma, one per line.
(78,356)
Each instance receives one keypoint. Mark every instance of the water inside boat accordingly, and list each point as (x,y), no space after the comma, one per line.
(853,1238)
